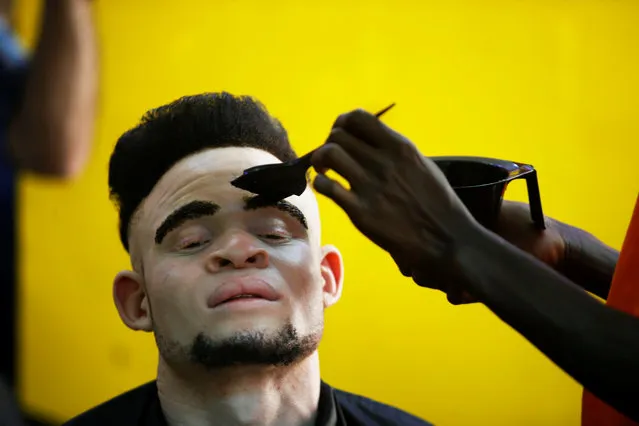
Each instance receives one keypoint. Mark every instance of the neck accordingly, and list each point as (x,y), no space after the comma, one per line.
(241,395)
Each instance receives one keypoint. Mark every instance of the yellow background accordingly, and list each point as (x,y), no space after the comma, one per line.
(553,83)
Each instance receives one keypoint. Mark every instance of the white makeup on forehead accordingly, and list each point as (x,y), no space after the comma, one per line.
(207,176)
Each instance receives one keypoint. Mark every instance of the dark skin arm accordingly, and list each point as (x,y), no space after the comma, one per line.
(587,261)
(575,253)
(403,203)
(52,130)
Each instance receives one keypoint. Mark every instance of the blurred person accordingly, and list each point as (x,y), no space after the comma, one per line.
(233,288)
(47,109)
(533,280)
(9,413)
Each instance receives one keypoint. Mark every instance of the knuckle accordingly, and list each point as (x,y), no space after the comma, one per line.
(359,115)
(347,141)
(324,152)
(354,118)
(331,150)
(406,148)
(338,136)
(318,156)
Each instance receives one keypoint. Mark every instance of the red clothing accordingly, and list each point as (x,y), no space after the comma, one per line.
(624,295)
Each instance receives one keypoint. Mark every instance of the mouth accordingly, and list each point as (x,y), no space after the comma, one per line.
(243,291)
(241,298)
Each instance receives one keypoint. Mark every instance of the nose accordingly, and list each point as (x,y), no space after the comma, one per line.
(237,250)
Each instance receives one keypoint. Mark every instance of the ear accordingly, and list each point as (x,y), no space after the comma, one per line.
(332,270)
(131,301)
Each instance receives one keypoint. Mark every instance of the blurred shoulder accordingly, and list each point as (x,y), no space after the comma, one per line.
(123,410)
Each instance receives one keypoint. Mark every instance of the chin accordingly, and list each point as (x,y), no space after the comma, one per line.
(245,326)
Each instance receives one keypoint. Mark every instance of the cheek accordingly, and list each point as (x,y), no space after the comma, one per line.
(299,267)
(169,284)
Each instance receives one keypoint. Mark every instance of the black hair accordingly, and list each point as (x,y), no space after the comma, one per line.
(167,134)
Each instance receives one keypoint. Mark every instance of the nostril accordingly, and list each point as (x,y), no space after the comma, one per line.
(251,259)
(224,262)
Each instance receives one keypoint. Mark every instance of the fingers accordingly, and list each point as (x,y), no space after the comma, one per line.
(371,159)
(365,126)
(334,157)
(335,191)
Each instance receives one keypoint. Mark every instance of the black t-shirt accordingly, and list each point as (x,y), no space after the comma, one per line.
(141,407)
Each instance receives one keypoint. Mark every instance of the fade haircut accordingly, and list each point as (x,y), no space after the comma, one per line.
(167,134)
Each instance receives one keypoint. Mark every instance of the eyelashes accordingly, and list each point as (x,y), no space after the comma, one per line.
(193,244)
(275,237)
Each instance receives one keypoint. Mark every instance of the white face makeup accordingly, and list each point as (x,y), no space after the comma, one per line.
(221,267)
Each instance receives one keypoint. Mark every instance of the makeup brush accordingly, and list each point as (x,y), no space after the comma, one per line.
(275,182)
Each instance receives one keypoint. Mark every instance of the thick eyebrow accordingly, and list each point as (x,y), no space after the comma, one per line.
(189,211)
(257,202)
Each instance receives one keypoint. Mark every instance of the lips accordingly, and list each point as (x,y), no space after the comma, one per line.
(242,289)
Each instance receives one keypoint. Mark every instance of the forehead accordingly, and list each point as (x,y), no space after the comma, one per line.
(207,176)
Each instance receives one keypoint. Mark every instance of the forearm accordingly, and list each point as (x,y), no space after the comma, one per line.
(595,344)
(53,130)
(588,262)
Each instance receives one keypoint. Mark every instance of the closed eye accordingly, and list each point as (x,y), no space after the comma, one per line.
(192,245)
(274,237)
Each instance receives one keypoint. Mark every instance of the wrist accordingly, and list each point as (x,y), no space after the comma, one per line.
(470,255)
(587,261)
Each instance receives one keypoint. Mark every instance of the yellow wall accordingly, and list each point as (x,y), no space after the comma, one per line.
(548,82)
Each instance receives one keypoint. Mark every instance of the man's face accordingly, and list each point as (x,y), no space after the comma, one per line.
(222,279)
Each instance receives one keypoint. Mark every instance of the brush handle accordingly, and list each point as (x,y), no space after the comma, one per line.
(306,159)
(304,162)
